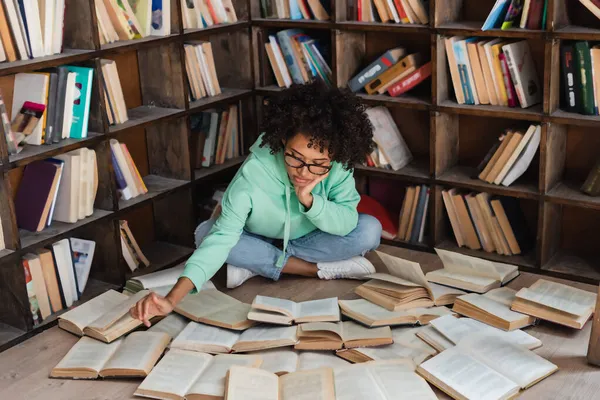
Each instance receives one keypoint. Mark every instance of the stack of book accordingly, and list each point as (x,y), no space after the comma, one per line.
(296,57)
(113,93)
(296,9)
(510,156)
(56,277)
(62,188)
(398,11)
(413,215)
(201,71)
(499,72)
(394,72)
(494,223)
(580,77)
(129,181)
(31,29)
(132,19)
(525,14)
(133,255)
(219,135)
(391,151)
(198,14)
(50,106)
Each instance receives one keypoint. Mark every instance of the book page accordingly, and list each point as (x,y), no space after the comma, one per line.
(467,376)
(319,308)
(252,384)
(205,302)
(407,270)
(86,313)
(396,351)
(212,381)
(407,336)
(393,378)
(437,291)
(377,313)
(117,312)
(233,315)
(354,383)
(175,372)
(172,325)
(514,362)
(463,264)
(492,307)
(312,328)
(559,297)
(277,360)
(319,359)
(195,335)
(161,278)
(434,335)
(269,333)
(283,306)
(353,331)
(316,384)
(503,295)
(480,281)
(89,353)
(139,351)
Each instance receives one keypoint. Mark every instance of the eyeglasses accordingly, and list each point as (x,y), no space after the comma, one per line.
(315,169)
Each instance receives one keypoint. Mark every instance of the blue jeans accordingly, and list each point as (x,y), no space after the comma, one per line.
(259,254)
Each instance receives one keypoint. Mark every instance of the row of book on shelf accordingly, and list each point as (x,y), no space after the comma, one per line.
(296,9)
(281,337)
(580,77)
(201,71)
(199,14)
(56,277)
(510,14)
(397,11)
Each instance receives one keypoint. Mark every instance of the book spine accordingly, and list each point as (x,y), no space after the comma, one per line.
(545,15)
(584,65)
(569,78)
(401,12)
(410,81)
(33,302)
(285,44)
(370,73)
(514,10)
(510,90)
(534,19)
(515,77)
(495,16)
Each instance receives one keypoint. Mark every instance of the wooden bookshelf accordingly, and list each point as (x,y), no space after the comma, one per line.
(449,140)
(158,136)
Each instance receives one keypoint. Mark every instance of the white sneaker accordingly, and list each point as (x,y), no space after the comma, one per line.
(236,276)
(354,268)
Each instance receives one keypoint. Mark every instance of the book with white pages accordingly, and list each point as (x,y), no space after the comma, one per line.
(214,340)
(407,345)
(434,338)
(173,324)
(524,158)
(404,286)
(213,307)
(381,380)
(133,356)
(485,367)
(285,360)
(105,317)
(493,308)
(165,277)
(471,273)
(285,312)
(457,329)
(372,315)
(338,335)
(556,302)
(190,375)
(531,131)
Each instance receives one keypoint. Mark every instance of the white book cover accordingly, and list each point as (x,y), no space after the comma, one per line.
(30,87)
(280,61)
(83,255)
(34,26)
(47,15)
(16,29)
(58,26)
(524,160)
(516,153)
(161,18)
(522,70)
(388,138)
(68,109)
(68,192)
(66,272)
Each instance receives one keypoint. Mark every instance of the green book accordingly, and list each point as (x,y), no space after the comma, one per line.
(584,66)
(544,15)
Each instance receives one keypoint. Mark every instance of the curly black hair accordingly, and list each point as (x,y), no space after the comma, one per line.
(332,119)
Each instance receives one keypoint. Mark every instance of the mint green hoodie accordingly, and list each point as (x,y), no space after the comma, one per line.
(261,199)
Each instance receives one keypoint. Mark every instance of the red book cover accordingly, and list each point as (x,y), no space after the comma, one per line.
(368,205)
(401,12)
(534,19)
(359,10)
(410,81)
(510,88)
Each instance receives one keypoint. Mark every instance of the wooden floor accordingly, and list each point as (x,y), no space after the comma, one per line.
(24,369)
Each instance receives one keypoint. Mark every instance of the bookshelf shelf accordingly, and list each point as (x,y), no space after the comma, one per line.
(68,56)
(533,113)
(406,101)
(162,255)
(292,23)
(203,173)
(417,172)
(128,45)
(145,115)
(228,95)
(190,34)
(376,26)
(568,193)
(5,253)
(574,32)
(567,118)
(565,264)
(157,186)
(473,28)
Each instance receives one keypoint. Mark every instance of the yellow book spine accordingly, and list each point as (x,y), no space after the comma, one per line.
(499,76)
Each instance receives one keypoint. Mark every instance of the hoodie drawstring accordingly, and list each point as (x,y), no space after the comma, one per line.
(286,228)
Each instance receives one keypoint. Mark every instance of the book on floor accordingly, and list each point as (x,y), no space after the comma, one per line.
(485,366)
(213,307)
(172,325)
(404,287)
(434,338)
(471,273)
(407,345)
(190,375)
(334,336)
(133,356)
(285,312)
(105,317)
(493,308)
(556,302)
(282,361)
(372,315)
(212,339)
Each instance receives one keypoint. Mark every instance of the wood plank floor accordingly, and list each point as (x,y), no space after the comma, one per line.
(24,369)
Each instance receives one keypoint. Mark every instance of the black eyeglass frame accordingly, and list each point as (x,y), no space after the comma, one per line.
(304,164)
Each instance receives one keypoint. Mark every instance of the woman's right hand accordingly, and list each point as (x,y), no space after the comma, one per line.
(151,306)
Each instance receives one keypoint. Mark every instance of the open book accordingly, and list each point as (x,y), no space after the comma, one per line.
(556,302)
(105,317)
(213,307)
(405,287)
(245,383)
(212,339)
(485,367)
(373,315)
(471,273)
(285,360)
(493,308)
(172,325)
(434,338)
(406,346)
(286,312)
(334,336)
(133,356)
(190,375)
(458,329)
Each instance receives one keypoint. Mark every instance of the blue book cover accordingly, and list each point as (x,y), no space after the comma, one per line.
(81,104)
(461,61)
(284,38)
(496,16)
(295,12)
